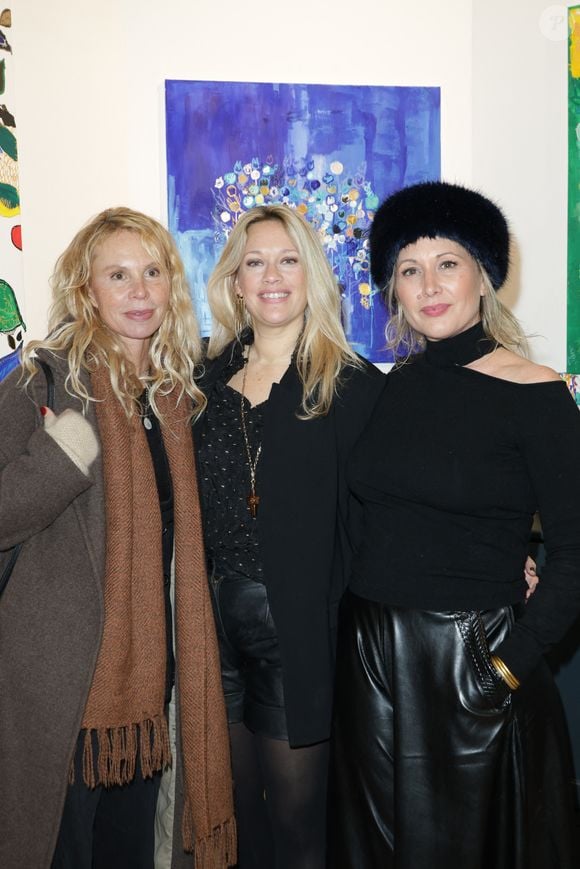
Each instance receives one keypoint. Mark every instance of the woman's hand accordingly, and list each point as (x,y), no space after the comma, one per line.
(74,434)
(531,576)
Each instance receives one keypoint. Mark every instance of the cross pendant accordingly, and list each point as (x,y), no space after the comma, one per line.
(253,501)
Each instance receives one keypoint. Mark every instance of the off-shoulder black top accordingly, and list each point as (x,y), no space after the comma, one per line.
(451,470)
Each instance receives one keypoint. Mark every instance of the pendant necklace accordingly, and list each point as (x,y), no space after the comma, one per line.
(252,499)
(146,408)
(146,421)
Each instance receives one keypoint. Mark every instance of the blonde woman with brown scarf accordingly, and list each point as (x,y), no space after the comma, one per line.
(106,618)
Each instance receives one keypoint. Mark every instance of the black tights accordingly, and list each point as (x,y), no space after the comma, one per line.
(280,800)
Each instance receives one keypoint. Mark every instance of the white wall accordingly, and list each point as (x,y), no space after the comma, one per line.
(90,108)
(520,154)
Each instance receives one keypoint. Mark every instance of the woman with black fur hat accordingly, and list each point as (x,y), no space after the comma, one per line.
(450,748)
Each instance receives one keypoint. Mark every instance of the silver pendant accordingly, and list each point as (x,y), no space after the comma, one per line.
(147,423)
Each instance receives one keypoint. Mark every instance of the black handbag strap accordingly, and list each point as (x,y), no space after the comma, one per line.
(7,572)
(49,382)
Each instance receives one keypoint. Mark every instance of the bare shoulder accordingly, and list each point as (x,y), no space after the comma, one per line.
(539,373)
(509,366)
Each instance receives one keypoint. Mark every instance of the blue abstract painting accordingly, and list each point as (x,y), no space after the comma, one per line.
(333,152)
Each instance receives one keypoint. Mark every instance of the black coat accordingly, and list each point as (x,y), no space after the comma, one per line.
(305,530)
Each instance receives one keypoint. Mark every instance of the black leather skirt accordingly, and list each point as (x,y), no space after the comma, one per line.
(435,765)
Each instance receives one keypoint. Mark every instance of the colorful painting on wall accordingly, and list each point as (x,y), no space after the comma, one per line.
(573,322)
(333,152)
(573,383)
(12,327)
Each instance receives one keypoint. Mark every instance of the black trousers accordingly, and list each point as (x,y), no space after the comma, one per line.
(107,828)
(434,764)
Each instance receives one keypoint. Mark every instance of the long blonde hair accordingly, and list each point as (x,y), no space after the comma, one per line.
(499,324)
(322,348)
(77,331)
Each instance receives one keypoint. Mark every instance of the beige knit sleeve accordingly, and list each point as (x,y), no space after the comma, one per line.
(75,436)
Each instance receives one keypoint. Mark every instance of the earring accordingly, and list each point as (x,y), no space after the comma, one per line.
(239,315)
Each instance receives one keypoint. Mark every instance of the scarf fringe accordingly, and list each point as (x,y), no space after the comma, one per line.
(155,749)
(217,850)
(117,752)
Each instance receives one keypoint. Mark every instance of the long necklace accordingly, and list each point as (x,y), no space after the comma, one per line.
(252,499)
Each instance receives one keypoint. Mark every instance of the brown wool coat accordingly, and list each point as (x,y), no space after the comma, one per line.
(51,618)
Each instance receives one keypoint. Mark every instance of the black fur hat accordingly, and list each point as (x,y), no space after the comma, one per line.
(436,209)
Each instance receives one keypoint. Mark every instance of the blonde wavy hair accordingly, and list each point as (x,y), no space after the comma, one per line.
(77,332)
(322,350)
(499,324)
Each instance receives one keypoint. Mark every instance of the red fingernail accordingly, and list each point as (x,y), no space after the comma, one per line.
(44,410)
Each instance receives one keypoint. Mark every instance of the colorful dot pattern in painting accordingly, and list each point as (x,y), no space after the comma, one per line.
(340,207)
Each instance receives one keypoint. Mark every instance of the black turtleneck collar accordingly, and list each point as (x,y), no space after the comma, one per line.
(460,349)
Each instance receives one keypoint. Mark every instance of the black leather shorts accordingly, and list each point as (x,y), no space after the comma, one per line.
(250,656)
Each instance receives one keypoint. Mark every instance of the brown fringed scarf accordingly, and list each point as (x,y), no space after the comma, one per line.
(125,704)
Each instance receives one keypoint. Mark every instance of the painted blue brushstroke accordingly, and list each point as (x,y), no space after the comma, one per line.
(10,362)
